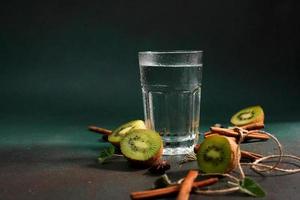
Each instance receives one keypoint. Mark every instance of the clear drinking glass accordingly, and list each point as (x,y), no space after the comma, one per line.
(171,85)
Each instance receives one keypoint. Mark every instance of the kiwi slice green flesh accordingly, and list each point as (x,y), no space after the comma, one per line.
(141,145)
(215,155)
(122,130)
(247,116)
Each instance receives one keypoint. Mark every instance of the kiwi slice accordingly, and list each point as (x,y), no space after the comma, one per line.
(217,154)
(142,147)
(116,136)
(248,115)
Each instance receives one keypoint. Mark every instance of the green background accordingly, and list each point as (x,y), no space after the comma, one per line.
(79,59)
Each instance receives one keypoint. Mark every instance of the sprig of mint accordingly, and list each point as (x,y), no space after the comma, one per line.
(106,153)
(251,188)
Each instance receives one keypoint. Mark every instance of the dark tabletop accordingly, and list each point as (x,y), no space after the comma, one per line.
(56,159)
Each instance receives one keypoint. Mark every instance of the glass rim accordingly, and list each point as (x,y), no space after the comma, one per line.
(171,52)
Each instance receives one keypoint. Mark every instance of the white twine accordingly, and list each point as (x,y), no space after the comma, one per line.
(257,166)
(220,191)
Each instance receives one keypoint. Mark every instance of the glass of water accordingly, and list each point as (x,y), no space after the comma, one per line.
(171,86)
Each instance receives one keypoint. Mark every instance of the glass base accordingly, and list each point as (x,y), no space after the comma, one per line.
(179,145)
(178,151)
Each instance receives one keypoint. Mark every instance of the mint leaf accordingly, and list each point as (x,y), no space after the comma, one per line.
(106,153)
(251,188)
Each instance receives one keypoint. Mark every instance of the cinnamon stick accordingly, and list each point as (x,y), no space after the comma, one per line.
(156,193)
(255,154)
(100,130)
(187,185)
(253,126)
(232,133)
(250,155)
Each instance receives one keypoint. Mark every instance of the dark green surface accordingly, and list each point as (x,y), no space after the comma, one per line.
(80,58)
(56,159)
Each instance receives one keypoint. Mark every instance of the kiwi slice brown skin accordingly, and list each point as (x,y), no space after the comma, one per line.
(226,149)
(249,115)
(147,136)
(145,164)
(116,136)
